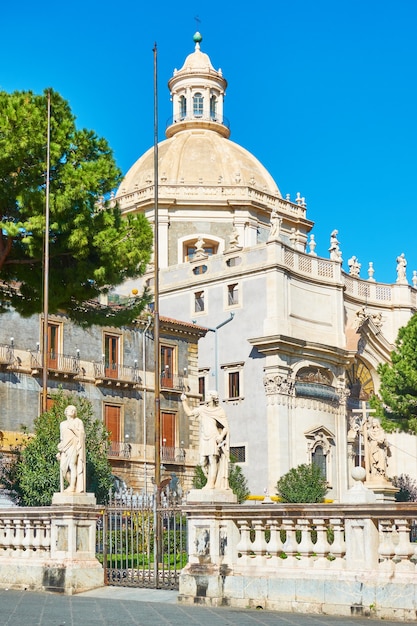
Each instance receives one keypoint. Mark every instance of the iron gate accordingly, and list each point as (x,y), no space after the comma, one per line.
(142,543)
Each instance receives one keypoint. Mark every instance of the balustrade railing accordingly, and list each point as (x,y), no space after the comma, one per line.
(24,535)
(377,537)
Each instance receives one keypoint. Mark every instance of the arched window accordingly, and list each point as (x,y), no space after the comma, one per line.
(183,107)
(198,105)
(213,107)
(209,247)
(359,382)
(319,458)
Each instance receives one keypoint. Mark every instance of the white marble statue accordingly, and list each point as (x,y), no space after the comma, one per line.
(199,248)
(335,252)
(378,449)
(401,268)
(275,228)
(234,240)
(214,440)
(71,455)
(354,266)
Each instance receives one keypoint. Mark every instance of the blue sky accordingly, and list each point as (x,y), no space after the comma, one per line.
(323,93)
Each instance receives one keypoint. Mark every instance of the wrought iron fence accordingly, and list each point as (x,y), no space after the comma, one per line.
(142,543)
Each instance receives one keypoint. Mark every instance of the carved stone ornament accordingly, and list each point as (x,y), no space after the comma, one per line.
(278,384)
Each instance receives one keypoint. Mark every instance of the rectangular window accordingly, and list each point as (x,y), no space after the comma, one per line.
(199,301)
(233,381)
(111,356)
(234,385)
(112,421)
(238,454)
(232,294)
(167,366)
(168,430)
(53,345)
(202,386)
(198,105)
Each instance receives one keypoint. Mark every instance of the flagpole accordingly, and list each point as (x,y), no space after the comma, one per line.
(46,265)
(157,356)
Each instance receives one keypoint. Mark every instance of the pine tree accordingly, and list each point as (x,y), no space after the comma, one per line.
(396,403)
(91,248)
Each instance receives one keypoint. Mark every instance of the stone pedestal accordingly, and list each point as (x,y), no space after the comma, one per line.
(74,566)
(211,496)
(384,491)
(74,499)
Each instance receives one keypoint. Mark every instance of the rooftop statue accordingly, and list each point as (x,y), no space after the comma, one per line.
(335,252)
(401,268)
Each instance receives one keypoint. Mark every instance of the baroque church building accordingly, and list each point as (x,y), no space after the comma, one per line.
(293,342)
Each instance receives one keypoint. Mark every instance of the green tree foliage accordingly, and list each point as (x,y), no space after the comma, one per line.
(91,247)
(33,475)
(304,483)
(407,488)
(397,400)
(237,481)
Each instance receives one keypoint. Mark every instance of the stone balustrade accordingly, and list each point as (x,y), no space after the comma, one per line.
(50,548)
(25,533)
(330,558)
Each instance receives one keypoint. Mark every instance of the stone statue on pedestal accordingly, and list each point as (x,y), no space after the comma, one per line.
(71,455)
(401,268)
(275,225)
(378,450)
(335,252)
(214,440)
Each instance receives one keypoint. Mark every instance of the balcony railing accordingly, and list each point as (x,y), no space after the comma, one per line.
(120,450)
(114,373)
(176,383)
(6,354)
(58,364)
(172,455)
(204,117)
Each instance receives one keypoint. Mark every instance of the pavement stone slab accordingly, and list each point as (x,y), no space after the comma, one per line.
(119,606)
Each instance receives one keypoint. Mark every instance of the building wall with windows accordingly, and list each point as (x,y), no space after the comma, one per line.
(294,342)
(114,369)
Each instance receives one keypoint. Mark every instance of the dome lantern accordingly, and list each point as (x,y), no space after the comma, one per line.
(197,94)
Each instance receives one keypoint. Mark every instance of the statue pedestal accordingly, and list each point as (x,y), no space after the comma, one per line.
(384,491)
(74,499)
(211,496)
(73,566)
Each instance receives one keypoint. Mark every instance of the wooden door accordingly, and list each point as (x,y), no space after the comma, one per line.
(167,366)
(53,345)
(112,421)
(168,430)
(111,356)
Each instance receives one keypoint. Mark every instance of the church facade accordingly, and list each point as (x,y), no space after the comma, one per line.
(293,342)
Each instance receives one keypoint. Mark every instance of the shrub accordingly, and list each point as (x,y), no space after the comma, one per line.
(407,488)
(304,483)
(237,481)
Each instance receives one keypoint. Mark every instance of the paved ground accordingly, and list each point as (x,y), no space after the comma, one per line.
(113,606)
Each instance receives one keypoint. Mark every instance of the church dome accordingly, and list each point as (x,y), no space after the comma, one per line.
(199,157)
(197,153)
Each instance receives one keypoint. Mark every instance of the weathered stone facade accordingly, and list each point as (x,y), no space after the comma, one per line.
(120,387)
